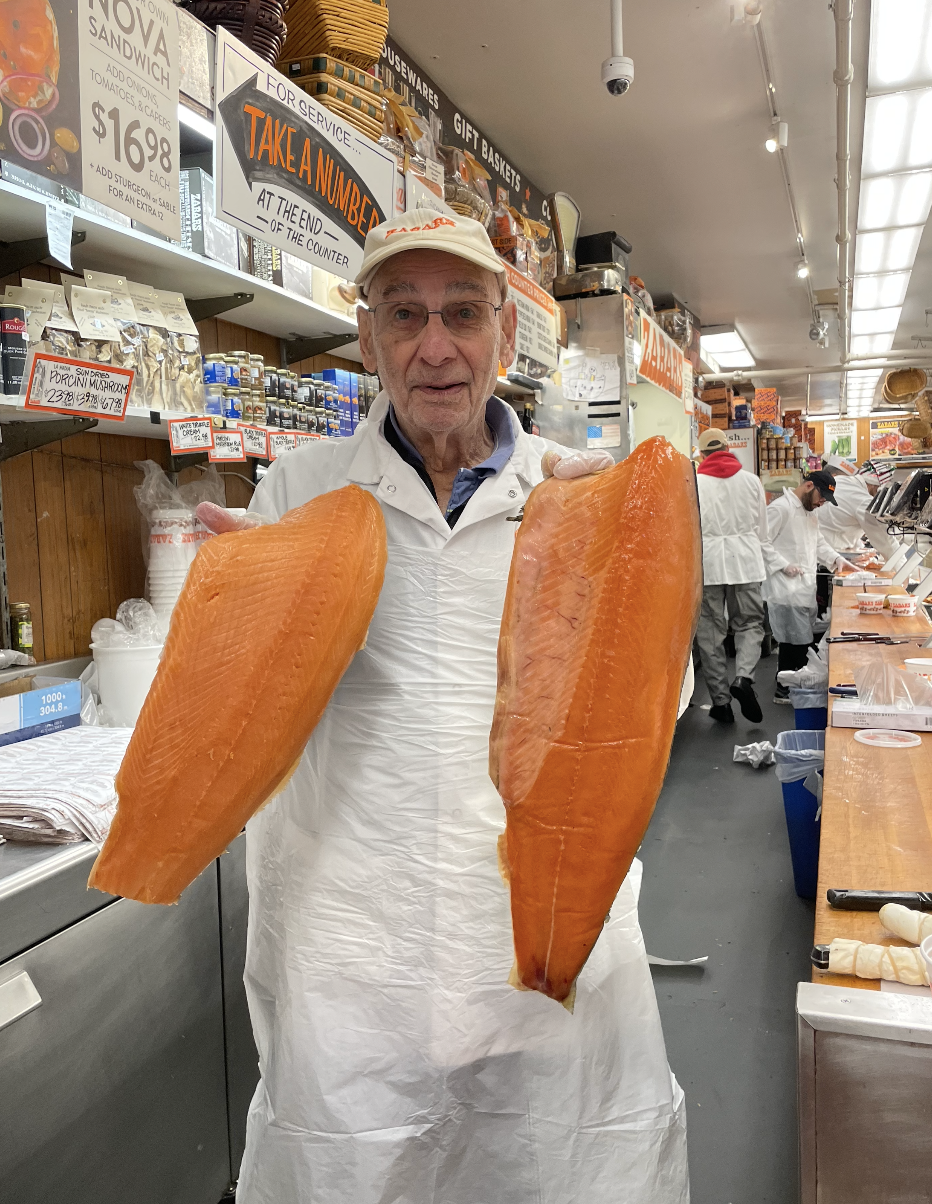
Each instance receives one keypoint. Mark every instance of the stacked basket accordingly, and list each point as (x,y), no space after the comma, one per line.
(259,24)
(332,47)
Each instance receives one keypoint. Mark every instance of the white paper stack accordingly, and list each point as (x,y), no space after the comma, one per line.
(59,789)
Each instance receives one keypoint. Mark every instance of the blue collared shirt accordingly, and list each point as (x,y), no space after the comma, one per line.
(468,480)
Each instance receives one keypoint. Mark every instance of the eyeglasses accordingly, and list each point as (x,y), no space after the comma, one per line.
(406,319)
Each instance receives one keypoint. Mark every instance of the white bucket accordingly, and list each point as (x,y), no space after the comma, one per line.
(124,676)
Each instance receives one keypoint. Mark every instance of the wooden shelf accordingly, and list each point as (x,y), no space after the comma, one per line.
(150,260)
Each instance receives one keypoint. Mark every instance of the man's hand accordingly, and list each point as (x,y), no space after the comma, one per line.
(841,563)
(579,464)
(221,521)
(792,570)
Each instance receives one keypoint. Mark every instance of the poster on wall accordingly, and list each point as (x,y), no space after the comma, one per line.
(841,439)
(886,439)
(291,172)
(97,109)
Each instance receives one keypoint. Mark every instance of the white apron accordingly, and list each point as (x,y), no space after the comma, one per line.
(398,1067)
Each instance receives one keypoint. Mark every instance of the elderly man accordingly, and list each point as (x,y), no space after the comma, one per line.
(397,1063)
(799,548)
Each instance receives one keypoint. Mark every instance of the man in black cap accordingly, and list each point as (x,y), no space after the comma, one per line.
(799,547)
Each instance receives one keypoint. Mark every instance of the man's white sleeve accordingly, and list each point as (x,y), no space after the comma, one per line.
(876,532)
(773,561)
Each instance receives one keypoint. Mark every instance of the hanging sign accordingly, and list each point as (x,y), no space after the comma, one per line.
(255,442)
(661,359)
(190,435)
(228,445)
(841,439)
(281,442)
(536,335)
(69,386)
(886,439)
(130,74)
(291,172)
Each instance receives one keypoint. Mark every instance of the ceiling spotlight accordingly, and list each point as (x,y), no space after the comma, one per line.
(802,270)
(780,136)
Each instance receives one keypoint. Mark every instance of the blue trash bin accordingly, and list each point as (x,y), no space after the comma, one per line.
(810,708)
(799,754)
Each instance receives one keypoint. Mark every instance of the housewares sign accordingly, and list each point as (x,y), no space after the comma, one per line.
(291,172)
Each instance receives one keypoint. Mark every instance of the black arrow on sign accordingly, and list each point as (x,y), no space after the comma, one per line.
(274,145)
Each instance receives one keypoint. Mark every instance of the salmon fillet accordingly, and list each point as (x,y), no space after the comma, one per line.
(266,625)
(602,604)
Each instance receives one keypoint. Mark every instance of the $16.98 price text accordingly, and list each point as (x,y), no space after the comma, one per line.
(132,144)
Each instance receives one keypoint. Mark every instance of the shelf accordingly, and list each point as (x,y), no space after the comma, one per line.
(150,260)
(138,422)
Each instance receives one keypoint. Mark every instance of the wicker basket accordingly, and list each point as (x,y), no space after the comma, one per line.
(360,109)
(902,386)
(258,24)
(353,31)
(301,70)
(916,428)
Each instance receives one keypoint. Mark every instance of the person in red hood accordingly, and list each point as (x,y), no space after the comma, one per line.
(736,554)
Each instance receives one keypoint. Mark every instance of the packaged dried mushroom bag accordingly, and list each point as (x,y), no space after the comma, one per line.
(60,336)
(98,330)
(126,351)
(185,372)
(156,372)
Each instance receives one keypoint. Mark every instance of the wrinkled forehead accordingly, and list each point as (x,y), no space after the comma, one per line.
(430,276)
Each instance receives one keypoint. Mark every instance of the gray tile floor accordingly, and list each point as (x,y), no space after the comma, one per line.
(718,880)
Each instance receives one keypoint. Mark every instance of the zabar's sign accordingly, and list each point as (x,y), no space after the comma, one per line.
(661,359)
(289,171)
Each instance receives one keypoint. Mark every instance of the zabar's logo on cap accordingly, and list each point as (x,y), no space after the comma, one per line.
(434,225)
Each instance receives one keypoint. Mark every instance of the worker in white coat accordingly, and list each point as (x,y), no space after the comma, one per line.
(735,550)
(799,547)
(847,521)
(397,1064)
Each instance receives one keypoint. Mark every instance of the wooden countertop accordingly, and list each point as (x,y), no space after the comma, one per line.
(876,802)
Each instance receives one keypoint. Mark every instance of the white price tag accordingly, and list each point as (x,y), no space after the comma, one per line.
(59,223)
(228,445)
(75,387)
(190,435)
(280,442)
(303,438)
(256,442)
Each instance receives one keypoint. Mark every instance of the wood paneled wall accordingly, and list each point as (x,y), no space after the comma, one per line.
(73,530)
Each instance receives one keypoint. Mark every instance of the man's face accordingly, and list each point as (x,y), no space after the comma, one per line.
(872,490)
(811,498)
(438,379)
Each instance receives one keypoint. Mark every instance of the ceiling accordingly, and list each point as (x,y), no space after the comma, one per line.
(677,166)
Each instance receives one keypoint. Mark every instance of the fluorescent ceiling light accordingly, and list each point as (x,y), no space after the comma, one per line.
(901,44)
(194,121)
(880,292)
(897,200)
(897,132)
(871,344)
(875,321)
(727,349)
(886,250)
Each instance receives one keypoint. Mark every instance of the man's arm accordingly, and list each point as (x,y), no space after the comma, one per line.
(773,561)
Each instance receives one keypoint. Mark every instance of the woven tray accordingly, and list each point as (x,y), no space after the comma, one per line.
(365,103)
(303,69)
(366,125)
(352,31)
(258,24)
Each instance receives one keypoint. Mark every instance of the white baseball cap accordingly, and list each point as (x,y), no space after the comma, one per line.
(426,229)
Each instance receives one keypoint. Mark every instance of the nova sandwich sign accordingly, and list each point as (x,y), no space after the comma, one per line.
(289,171)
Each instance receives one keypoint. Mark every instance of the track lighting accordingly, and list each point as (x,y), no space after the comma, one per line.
(802,270)
(780,136)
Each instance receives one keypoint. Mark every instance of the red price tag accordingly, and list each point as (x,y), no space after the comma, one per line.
(187,435)
(228,445)
(256,441)
(64,386)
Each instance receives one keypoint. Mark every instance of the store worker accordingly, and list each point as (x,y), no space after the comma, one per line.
(397,1063)
(735,552)
(847,521)
(799,546)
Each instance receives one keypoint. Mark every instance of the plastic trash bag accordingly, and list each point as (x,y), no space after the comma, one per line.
(136,624)
(808,700)
(13,660)
(880,684)
(798,754)
(813,676)
(757,754)
(157,493)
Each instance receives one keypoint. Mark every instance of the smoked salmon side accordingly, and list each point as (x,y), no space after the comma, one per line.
(602,604)
(266,625)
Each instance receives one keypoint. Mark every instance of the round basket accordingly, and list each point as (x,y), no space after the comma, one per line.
(916,428)
(353,31)
(258,24)
(904,385)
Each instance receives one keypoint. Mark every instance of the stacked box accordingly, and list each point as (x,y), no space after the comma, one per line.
(766,406)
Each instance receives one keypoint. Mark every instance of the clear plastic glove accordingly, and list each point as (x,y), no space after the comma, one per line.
(843,565)
(789,570)
(579,464)
(221,521)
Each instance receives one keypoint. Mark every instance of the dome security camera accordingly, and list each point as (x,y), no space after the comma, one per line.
(618,75)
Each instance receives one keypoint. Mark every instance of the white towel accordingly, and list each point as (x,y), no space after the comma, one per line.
(58,789)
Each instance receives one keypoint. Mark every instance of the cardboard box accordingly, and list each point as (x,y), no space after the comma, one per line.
(848,712)
(201,232)
(724,393)
(52,706)
(267,262)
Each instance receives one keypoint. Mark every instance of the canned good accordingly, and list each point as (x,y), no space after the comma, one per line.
(232,364)
(286,417)
(216,371)
(232,404)
(271,383)
(256,371)
(21,627)
(213,399)
(12,347)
